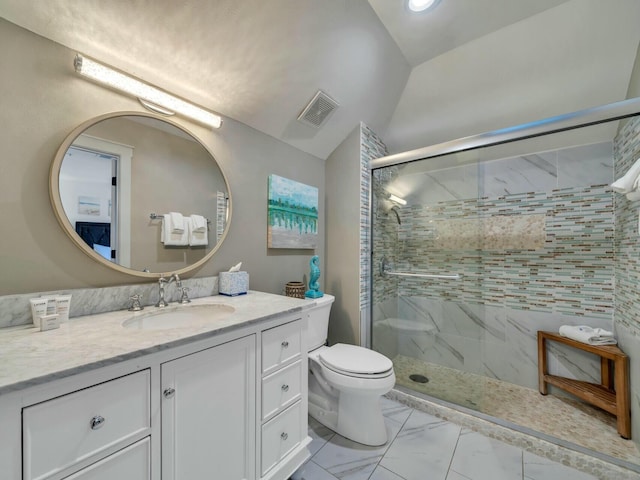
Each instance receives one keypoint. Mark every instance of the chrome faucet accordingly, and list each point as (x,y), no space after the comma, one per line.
(162,282)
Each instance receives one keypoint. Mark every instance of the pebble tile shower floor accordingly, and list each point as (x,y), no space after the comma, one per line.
(560,417)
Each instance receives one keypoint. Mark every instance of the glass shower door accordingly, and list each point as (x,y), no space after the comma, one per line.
(427,313)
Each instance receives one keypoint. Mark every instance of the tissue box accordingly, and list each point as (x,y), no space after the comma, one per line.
(233,283)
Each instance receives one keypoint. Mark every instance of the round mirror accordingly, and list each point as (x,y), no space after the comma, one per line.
(140,194)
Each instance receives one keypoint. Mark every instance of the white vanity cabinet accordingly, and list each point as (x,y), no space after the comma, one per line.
(228,404)
(208,413)
(283,425)
(220,419)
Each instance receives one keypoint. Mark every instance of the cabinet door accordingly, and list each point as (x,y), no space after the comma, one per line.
(131,463)
(208,413)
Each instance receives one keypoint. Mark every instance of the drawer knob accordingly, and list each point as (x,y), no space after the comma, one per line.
(285,388)
(285,344)
(169,392)
(97,422)
(284,436)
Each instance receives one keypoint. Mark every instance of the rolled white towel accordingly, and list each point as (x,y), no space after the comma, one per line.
(633,196)
(589,335)
(177,222)
(628,182)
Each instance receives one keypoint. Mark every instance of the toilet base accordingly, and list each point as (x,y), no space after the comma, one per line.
(357,417)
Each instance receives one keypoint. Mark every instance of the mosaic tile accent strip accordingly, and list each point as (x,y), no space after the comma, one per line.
(500,232)
(371,147)
(627,253)
(221,214)
(627,243)
(572,274)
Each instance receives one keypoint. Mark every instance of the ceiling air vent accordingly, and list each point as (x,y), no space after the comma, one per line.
(318,110)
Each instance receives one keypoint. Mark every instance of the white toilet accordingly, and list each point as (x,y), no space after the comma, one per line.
(346,382)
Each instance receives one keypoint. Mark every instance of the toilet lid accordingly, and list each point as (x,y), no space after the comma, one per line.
(353,359)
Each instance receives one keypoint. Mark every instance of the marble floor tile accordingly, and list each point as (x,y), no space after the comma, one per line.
(319,435)
(456,476)
(539,468)
(425,445)
(395,410)
(348,460)
(312,471)
(483,458)
(381,473)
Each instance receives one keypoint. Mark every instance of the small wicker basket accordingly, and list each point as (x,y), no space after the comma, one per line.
(294,289)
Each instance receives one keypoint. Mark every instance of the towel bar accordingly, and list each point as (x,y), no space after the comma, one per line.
(155,216)
(424,275)
(383,271)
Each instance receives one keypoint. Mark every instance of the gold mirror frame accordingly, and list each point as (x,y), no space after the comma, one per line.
(58,209)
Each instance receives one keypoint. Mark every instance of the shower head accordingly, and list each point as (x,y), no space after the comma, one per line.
(384,207)
(394,209)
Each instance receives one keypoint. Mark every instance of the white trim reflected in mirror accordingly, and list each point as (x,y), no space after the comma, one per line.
(124,153)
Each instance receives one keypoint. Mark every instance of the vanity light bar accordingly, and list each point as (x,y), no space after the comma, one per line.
(144,92)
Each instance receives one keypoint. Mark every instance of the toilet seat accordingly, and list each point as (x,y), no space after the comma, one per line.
(355,361)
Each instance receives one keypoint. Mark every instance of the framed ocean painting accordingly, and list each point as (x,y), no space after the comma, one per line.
(293,214)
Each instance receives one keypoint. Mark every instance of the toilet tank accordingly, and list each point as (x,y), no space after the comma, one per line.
(319,321)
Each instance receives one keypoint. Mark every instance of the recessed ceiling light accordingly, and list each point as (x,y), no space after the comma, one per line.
(421,5)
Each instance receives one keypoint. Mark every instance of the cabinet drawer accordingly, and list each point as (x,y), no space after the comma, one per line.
(281,345)
(281,435)
(281,389)
(131,463)
(61,432)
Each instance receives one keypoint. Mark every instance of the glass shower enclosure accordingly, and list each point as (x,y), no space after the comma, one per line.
(479,244)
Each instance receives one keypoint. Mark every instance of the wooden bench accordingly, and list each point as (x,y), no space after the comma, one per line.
(612,394)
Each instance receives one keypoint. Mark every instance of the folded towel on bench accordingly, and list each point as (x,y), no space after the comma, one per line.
(586,334)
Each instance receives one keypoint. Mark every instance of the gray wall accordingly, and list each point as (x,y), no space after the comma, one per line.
(43,100)
(343,241)
(634,83)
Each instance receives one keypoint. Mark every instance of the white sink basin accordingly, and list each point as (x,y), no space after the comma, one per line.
(179,316)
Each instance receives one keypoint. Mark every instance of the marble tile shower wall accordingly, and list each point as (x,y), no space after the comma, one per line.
(486,323)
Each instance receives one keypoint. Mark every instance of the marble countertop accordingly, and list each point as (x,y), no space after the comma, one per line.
(29,357)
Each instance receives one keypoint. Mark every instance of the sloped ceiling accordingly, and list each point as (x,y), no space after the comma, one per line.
(467,67)
(577,55)
(452,23)
(259,62)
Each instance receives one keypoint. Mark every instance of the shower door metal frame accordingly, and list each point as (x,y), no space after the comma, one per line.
(569,121)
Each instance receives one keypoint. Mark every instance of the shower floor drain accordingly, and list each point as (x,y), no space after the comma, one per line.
(416,377)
